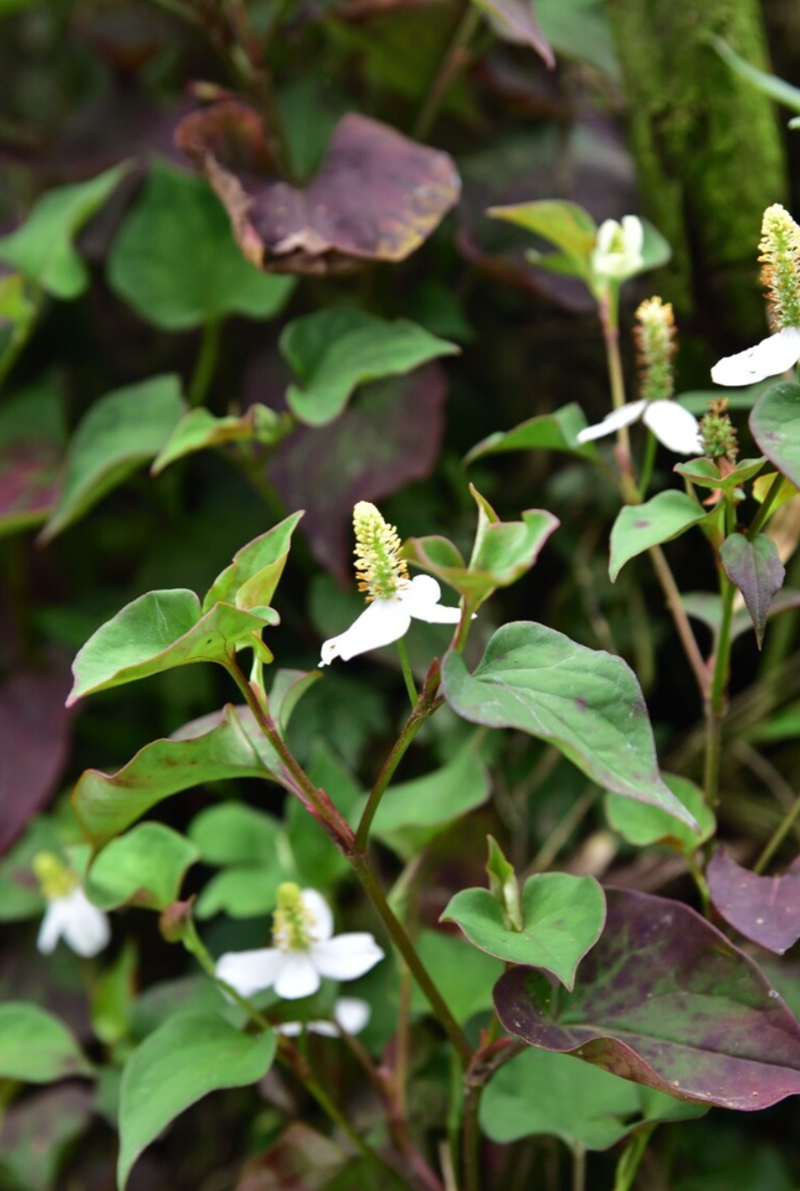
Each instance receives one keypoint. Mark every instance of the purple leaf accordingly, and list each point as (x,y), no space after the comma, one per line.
(756,569)
(664,999)
(388,436)
(514,21)
(34,743)
(28,483)
(764,909)
(376,196)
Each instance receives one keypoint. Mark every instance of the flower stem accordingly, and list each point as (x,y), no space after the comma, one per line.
(680,619)
(609,320)
(207,361)
(716,704)
(407,672)
(648,463)
(631,1157)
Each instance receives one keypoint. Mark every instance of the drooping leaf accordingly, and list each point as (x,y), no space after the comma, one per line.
(557,431)
(121,431)
(755,568)
(376,196)
(706,473)
(42,248)
(769,84)
(145,867)
(464,975)
(177,264)
(665,516)
(775,425)
(156,632)
(764,909)
(515,20)
(641,824)
(35,1047)
(413,813)
(333,351)
(251,579)
(562,919)
(199,429)
(107,804)
(184,1060)
(666,1000)
(539,1092)
(585,702)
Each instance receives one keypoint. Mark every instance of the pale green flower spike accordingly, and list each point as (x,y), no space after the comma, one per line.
(617,252)
(394,599)
(305,950)
(69,914)
(655,339)
(780,257)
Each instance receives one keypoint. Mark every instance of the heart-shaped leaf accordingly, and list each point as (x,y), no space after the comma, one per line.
(775,425)
(638,527)
(185,1059)
(158,631)
(376,196)
(754,566)
(106,804)
(557,431)
(251,579)
(641,824)
(177,264)
(585,702)
(562,917)
(199,430)
(764,909)
(540,1092)
(333,351)
(120,432)
(666,1000)
(43,249)
(706,473)
(35,1047)
(145,867)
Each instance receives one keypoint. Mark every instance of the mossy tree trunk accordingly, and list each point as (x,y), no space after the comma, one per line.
(708,149)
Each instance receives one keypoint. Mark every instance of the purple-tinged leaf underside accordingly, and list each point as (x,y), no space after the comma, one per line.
(764,909)
(755,568)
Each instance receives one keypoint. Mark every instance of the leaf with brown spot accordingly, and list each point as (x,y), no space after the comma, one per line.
(377,194)
(764,909)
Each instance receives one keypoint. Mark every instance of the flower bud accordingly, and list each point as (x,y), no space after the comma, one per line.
(718,432)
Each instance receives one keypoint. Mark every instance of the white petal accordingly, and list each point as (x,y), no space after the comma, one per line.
(675,427)
(52,926)
(624,416)
(86,929)
(320,911)
(633,231)
(606,234)
(250,971)
(381,623)
(421,600)
(298,976)
(770,357)
(352,1013)
(347,956)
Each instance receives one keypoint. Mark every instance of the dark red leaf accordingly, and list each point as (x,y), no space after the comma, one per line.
(764,909)
(389,435)
(28,483)
(664,999)
(34,743)
(376,196)
(756,569)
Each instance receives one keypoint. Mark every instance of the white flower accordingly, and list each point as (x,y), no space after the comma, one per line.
(673,426)
(770,357)
(351,1013)
(304,951)
(617,253)
(388,618)
(74,919)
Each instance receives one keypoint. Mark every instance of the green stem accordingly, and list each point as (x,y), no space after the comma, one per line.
(786,825)
(207,361)
(631,1157)
(766,504)
(609,320)
(196,947)
(717,698)
(453,58)
(471,1138)
(407,672)
(680,619)
(648,463)
(578,1167)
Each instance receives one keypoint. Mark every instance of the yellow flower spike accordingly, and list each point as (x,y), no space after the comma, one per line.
(379,569)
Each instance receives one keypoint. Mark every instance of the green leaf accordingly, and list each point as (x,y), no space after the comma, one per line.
(175,260)
(767,84)
(245,891)
(755,568)
(251,579)
(557,431)
(762,485)
(316,861)
(638,527)
(106,804)
(641,824)
(585,702)
(199,430)
(113,994)
(157,632)
(184,1060)
(42,248)
(333,351)
(580,29)
(121,431)
(145,867)
(562,918)
(35,1047)
(706,473)
(542,1093)
(775,425)
(464,976)
(234,833)
(503,885)
(564,224)
(413,813)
